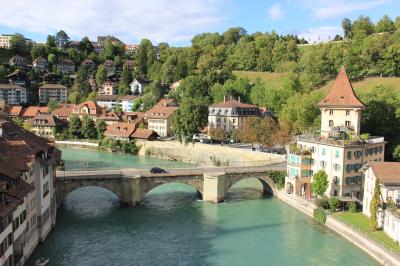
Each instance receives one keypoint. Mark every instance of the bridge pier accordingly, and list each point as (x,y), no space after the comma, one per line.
(214,187)
(131,191)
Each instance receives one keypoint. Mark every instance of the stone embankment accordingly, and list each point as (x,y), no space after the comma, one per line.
(376,250)
(76,144)
(207,154)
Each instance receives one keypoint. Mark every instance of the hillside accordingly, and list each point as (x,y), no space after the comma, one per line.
(361,87)
(5,55)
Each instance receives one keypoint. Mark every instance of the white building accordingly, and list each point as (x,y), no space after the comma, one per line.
(388,174)
(107,101)
(159,118)
(339,150)
(137,86)
(13,94)
(56,92)
(127,102)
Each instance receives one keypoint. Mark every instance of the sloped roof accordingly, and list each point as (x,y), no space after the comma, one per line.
(49,120)
(10,86)
(120,130)
(13,110)
(33,111)
(233,103)
(63,111)
(52,86)
(93,107)
(341,93)
(160,112)
(388,173)
(143,133)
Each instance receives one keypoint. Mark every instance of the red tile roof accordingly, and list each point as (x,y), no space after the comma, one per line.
(13,110)
(160,112)
(111,116)
(94,108)
(388,173)
(124,130)
(63,111)
(341,93)
(33,111)
(47,120)
(52,86)
(143,133)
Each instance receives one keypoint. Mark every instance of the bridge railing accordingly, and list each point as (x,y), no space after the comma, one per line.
(95,166)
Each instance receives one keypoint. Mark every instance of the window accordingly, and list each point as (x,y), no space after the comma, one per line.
(337,154)
(45,189)
(347,112)
(323,164)
(347,123)
(330,112)
(349,155)
(336,166)
(323,151)
(330,123)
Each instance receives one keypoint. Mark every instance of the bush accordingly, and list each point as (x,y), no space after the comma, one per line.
(334,204)
(322,202)
(352,207)
(320,215)
(278,177)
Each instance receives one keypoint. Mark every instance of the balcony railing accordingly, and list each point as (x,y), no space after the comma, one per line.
(341,142)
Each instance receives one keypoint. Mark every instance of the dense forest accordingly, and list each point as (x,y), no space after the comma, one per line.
(366,49)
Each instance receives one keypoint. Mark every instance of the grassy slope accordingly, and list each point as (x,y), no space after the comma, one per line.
(361,87)
(361,221)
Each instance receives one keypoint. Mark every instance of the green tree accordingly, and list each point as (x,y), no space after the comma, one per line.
(137,105)
(101,127)
(347,28)
(52,105)
(145,56)
(62,39)
(74,97)
(385,24)
(85,46)
(88,129)
(189,118)
(51,44)
(376,199)
(396,153)
(37,50)
(363,26)
(3,74)
(75,126)
(233,35)
(18,45)
(125,79)
(320,183)
(101,75)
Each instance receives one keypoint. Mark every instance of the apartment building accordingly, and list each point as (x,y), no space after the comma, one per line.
(40,64)
(17,61)
(66,66)
(6,38)
(27,175)
(45,125)
(159,118)
(231,115)
(109,88)
(339,150)
(13,94)
(56,92)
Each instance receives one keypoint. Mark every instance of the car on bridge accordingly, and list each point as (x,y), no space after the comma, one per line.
(157,170)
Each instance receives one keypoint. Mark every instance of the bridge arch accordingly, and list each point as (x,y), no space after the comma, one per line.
(268,185)
(65,188)
(196,184)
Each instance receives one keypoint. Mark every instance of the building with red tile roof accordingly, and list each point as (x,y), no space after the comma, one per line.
(64,111)
(32,111)
(45,125)
(122,131)
(89,108)
(57,92)
(159,118)
(13,111)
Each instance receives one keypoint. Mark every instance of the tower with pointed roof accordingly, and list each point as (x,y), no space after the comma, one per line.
(340,108)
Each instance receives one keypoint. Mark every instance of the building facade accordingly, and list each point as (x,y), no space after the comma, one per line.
(55,92)
(159,118)
(13,94)
(340,151)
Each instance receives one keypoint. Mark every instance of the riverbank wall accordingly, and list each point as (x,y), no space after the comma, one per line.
(207,154)
(76,144)
(381,254)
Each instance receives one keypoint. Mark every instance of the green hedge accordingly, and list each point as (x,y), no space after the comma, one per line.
(320,215)
(278,177)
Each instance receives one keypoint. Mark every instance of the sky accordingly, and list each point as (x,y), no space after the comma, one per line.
(176,22)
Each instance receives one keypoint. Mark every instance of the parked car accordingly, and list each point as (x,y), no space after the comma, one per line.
(157,170)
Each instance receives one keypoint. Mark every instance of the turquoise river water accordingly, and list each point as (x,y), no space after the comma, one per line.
(173,227)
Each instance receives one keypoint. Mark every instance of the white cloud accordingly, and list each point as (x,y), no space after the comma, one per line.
(275,12)
(129,20)
(320,34)
(327,9)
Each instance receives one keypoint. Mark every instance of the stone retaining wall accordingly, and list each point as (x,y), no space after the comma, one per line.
(207,154)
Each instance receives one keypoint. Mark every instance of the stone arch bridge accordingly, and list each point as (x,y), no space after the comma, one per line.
(132,185)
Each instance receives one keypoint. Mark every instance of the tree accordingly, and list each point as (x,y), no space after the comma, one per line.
(189,118)
(137,105)
(385,24)
(347,28)
(51,44)
(88,129)
(3,74)
(145,56)
(74,97)
(101,75)
(118,107)
(101,127)
(362,26)
(52,105)
(62,40)
(396,153)
(376,199)
(217,133)
(18,45)
(75,126)
(85,46)
(320,183)
(233,35)
(125,79)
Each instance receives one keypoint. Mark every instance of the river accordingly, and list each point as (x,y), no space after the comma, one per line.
(173,227)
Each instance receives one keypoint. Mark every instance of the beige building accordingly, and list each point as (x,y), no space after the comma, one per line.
(388,174)
(159,118)
(108,88)
(45,125)
(231,115)
(56,92)
(339,150)
(66,66)
(13,94)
